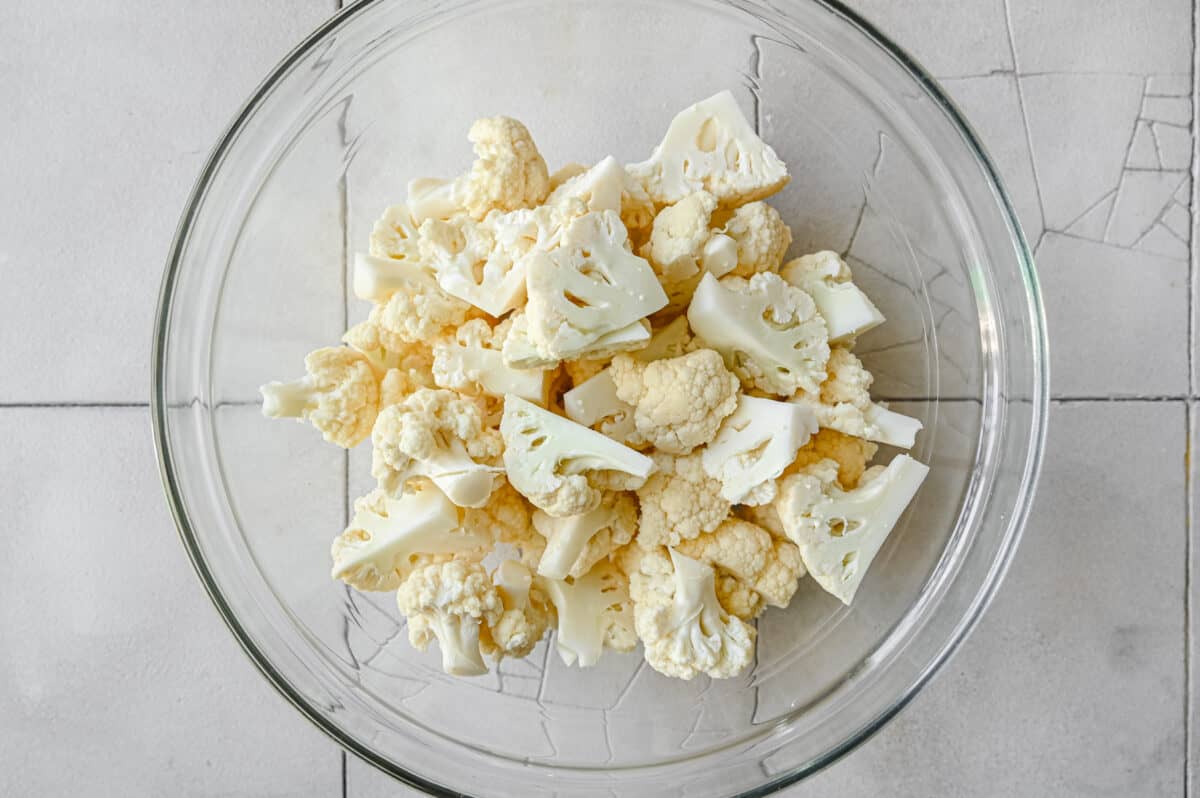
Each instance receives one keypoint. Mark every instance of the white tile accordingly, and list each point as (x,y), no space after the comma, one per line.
(1193,628)
(1117,319)
(1072,684)
(117,675)
(1140,36)
(111,109)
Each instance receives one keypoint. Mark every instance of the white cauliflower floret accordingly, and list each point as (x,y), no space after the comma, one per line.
(851,455)
(711,147)
(580,371)
(394,236)
(576,543)
(593,612)
(826,278)
(473,364)
(681,622)
(506,521)
(452,602)
(678,502)
(678,248)
(526,615)
(561,175)
(770,567)
(762,238)
(844,404)
(339,395)
(419,314)
(679,403)
(589,286)
(737,598)
(556,463)
(840,532)
(594,403)
(388,537)
(768,331)
(754,446)
(436,435)
(366,338)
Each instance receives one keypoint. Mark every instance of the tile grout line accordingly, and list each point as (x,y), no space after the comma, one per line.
(1016,73)
(1189,420)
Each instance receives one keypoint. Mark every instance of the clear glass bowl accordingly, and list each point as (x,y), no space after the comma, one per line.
(883,168)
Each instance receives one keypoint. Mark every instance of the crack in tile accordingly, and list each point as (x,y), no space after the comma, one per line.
(1012,48)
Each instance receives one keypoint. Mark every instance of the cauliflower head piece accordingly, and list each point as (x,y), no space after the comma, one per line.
(339,395)
(593,613)
(824,276)
(679,501)
(526,613)
(451,602)
(754,446)
(768,566)
(576,543)
(762,238)
(851,455)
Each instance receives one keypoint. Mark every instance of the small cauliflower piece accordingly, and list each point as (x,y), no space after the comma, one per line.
(679,403)
(339,395)
(526,615)
(473,363)
(840,532)
(681,622)
(679,501)
(367,339)
(761,236)
(710,146)
(826,278)
(520,351)
(593,612)
(851,454)
(470,264)
(594,403)
(589,286)
(394,238)
(436,435)
(770,567)
(376,279)
(388,537)
(418,314)
(576,543)
(598,188)
(451,602)
(672,340)
(554,462)
(844,404)
(677,245)
(505,520)
(768,331)
(737,598)
(754,446)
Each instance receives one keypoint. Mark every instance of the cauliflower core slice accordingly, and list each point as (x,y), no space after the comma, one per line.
(826,278)
(552,461)
(754,446)
(473,363)
(840,532)
(595,402)
(376,279)
(520,352)
(576,543)
(339,396)
(386,535)
(593,612)
(711,147)
(768,332)
(450,602)
(587,287)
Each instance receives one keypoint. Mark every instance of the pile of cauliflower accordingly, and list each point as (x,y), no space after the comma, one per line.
(599,402)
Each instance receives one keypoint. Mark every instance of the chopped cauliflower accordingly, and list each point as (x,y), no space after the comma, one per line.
(737,598)
(770,567)
(851,455)
(418,315)
(593,612)
(366,338)
(768,331)
(754,446)
(576,543)
(594,403)
(762,238)
(681,622)
(672,340)
(339,395)
(395,235)
(473,364)
(436,435)
(676,245)
(679,501)
(580,371)
(827,279)
(557,464)
(388,537)
(451,602)
(679,403)
(505,520)
(526,615)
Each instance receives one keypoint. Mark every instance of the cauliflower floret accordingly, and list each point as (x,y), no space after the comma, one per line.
(678,502)
(737,598)
(754,446)
(437,435)
(681,622)
(389,537)
(672,340)
(826,278)
(395,235)
(711,147)
(762,238)
(555,462)
(398,384)
(768,331)
(419,314)
(679,403)
(366,338)
(765,516)
(451,601)
(505,520)
(593,612)
(576,543)
(677,243)
(594,403)
(580,371)
(339,396)
(473,364)
(560,176)
(840,532)
(770,567)
(526,615)
(851,455)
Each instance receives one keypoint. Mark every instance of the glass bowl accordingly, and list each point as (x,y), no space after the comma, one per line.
(884,169)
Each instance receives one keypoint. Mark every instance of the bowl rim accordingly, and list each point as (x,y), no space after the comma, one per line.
(1039,401)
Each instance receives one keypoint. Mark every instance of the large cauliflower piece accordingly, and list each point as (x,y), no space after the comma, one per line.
(711,147)
(681,622)
(768,331)
(451,602)
(388,537)
(679,403)
(593,612)
(339,395)
(770,567)
(762,238)
(576,543)
(436,435)
(526,615)
(754,446)
(554,462)
(679,501)
(604,187)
